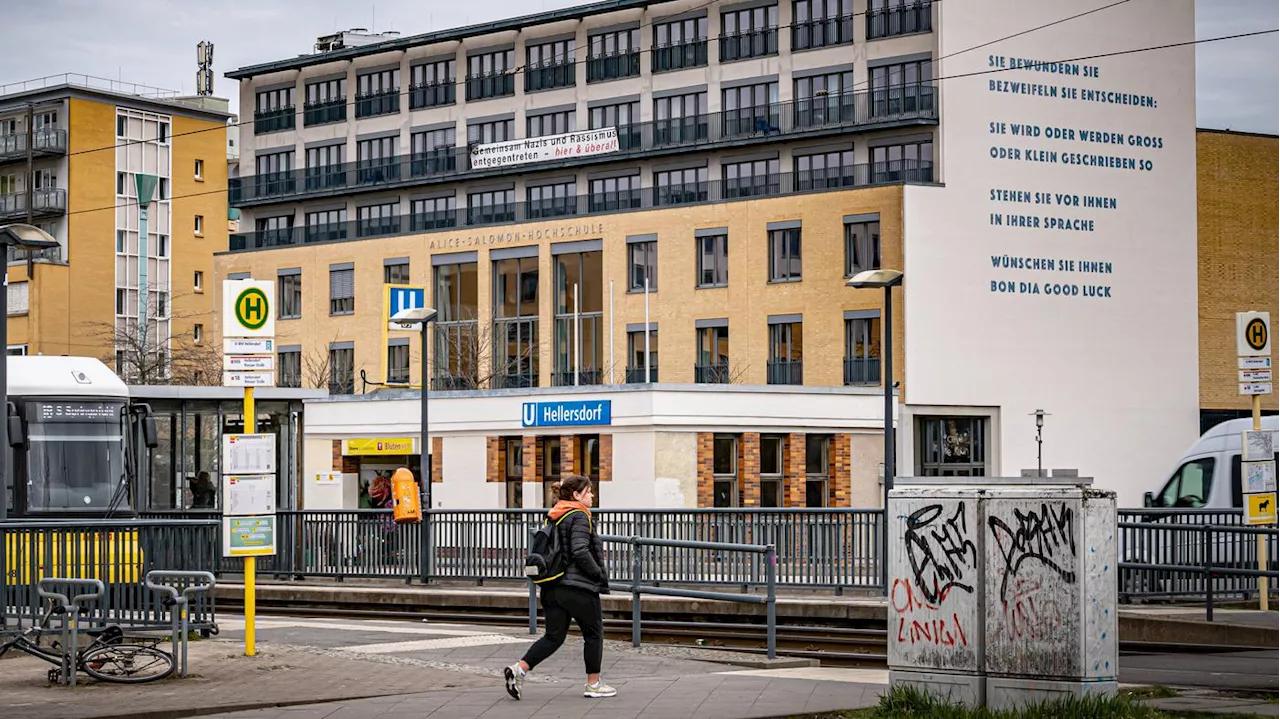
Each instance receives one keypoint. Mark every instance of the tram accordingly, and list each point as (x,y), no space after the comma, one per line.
(75,441)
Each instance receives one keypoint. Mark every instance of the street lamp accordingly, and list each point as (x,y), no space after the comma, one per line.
(421,316)
(1039,415)
(888,279)
(27,237)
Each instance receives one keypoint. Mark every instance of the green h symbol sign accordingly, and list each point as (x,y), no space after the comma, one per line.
(252,309)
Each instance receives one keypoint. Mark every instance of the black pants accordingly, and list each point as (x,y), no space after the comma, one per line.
(560,604)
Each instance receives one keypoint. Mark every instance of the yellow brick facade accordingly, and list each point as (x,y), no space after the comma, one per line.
(746,302)
(204,140)
(1236,184)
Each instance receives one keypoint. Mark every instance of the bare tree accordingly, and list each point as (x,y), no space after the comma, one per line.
(163,356)
(470,354)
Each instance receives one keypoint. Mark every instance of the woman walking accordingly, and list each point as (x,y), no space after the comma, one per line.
(576,595)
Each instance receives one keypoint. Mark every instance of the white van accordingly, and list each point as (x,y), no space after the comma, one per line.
(1208,475)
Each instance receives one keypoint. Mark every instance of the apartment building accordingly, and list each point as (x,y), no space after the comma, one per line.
(766,151)
(70,147)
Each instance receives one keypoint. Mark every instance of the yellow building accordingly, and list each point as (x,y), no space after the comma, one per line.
(70,147)
(1239,241)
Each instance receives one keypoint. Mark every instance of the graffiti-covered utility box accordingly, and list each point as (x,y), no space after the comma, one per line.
(1002,591)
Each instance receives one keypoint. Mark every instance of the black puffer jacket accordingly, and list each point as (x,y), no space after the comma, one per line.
(586,566)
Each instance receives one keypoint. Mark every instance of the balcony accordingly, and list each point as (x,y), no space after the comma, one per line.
(372,104)
(636,375)
(564,378)
(436,94)
(861,371)
(711,373)
(284,118)
(782,371)
(822,32)
(844,177)
(451,382)
(323,113)
(45,141)
(550,75)
(483,87)
(46,254)
(905,19)
(44,203)
(746,45)
(615,66)
(666,58)
(824,115)
(518,380)
(275,184)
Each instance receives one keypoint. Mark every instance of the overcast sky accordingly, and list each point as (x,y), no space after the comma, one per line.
(1236,85)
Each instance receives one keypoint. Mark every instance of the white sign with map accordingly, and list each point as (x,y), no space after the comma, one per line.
(1259,445)
(1259,477)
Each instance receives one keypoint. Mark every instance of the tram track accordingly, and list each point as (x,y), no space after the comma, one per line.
(832,646)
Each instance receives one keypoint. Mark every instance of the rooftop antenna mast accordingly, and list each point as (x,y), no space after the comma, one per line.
(204,75)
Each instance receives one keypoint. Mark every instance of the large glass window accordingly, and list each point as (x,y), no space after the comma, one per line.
(862,350)
(784,255)
(952,446)
(713,356)
(457,340)
(907,162)
(771,470)
(515,325)
(786,352)
(74,458)
(817,469)
(578,344)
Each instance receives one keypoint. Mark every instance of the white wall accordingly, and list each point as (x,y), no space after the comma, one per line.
(633,472)
(464,474)
(1118,374)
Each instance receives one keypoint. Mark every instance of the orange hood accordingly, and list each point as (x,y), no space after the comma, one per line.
(565,506)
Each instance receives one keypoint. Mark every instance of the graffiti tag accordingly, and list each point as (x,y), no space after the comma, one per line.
(941,631)
(1046,536)
(939,553)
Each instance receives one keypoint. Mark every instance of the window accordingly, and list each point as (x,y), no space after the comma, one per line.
(290,373)
(724,470)
(552,123)
(636,355)
(325,168)
(901,88)
(886,18)
(515,324)
(786,351)
(828,169)
(376,159)
(513,471)
(434,213)
(162,133)
(199,169)
(643,259)
(342,368)
(342,290)
(19,298)
(490,74)
(197,333)
(675,187)
(121,300)
(289,289)
(613,55)
(680,119)
(489,207)
(433,151)
(197,281)
(457,351)
(550,64)
(123,186)
(784,255)
(625,116)
(483,133)
(952,447)
(713,260)
(713,355)
(821,23)
(326,102)
(121,123)
(615,193)
(553,200)
(583,271)
(861,247)
(748,33)
(162,305)
(273,111)
(771,470)
(862,350)
(749,179)
(162,246)
(378,93)
(679,44)
(824,100)
(327,225)
(750,109)
(1189,486)
(550,448)
(374,220)
(274,231)
(121,238)
(908,162)
(398,360)
(199,225)
(817,469)
(433,84)
(396,273)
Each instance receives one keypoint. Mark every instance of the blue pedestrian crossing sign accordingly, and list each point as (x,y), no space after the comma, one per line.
(399,298)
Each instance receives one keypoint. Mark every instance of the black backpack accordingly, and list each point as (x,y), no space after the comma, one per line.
(548,556)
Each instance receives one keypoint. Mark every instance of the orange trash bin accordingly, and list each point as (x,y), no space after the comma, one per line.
(404,490)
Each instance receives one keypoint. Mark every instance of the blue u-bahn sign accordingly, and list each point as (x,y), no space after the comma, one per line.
(566,414)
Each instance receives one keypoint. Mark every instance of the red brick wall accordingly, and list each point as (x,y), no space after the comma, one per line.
(706,470)
(793,466)
(532,467)
(606,458)
(494,459)
(337,455)
(840,484)
(437,460)
(749,469)
(568,454)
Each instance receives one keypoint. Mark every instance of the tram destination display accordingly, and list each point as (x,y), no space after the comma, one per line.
(74,411)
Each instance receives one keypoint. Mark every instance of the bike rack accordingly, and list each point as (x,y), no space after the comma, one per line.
(71,607)
(178,602)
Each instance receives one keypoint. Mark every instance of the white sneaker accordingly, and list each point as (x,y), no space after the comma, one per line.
(514,675)
(599,690)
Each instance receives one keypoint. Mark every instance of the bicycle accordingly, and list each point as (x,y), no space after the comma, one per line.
(107,658)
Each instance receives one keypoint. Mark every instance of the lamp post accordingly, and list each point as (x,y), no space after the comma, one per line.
(1039,415)
(28,237)
(421,316)
(888,279)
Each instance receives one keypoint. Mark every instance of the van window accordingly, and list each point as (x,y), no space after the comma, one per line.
(1189,486)
(1237,498)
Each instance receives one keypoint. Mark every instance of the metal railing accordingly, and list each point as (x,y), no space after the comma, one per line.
(717,373)
(679,56)
(861,370)
(830,548)
(44,202)
(320,113)
(119,553)
(822,32)
(903,19)
(911,104)
(637,375)
(613,66)
(45,141)
(649,198)
(785,371)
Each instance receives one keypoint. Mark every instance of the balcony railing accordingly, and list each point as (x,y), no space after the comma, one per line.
(679,56)
(613,66)
(483,87)
(636,375)
(518,380)
(564,378)
(824,114)
(323,113)
(434,94)
(782,371)
(549,75)
(44,203)
(822,32)
(746,45)
(711,373)
(372,104)
(905,19)
(46,254)
(448,381)
(45,141)
(848,176)
(861,370)
(284,118)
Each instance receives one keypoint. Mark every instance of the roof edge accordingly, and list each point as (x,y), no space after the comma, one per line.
(1217,131)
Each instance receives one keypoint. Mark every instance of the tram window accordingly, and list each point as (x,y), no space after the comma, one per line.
(74,459)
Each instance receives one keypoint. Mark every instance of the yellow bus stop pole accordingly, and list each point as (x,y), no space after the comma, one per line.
(1263,599)
(250,562)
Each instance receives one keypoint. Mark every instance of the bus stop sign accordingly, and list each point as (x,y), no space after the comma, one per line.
(246,308)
